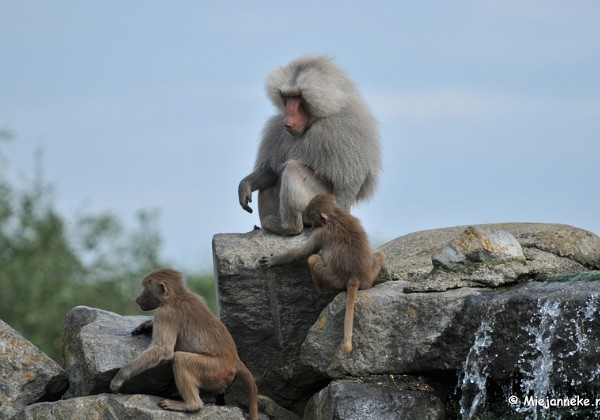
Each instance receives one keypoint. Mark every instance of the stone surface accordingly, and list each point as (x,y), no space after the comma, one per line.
(478,257)
(548,249)
(478,244)
(26,374)
(374,399)
(97,343)
(122,407)
(394,332)
(269,312)
(538,338)
(272,311)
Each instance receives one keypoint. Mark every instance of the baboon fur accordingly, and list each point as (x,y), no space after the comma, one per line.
(338,153)
(185,331)
(339,254)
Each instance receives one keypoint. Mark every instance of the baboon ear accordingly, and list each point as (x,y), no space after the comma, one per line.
(324,218)
(164,289)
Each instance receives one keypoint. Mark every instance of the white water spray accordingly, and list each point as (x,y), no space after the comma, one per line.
(539,363)
(475,372)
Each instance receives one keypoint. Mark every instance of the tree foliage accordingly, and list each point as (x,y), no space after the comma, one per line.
(49,267)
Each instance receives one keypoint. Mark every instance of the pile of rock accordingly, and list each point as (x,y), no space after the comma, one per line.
(96,344)
(460,319)
(441,292)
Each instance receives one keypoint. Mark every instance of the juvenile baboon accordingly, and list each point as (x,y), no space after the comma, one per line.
(323,139)
(346,260)
(186,331)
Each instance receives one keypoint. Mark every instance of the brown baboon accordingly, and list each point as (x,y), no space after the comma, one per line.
(186,331)
(346,260)
(323,140)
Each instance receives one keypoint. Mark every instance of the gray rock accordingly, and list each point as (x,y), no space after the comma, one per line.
(537,338)
(269,312)
(97,343)
(478,244)
(26,374)
(374,399)
(565,315)
(548,249)
(478,257)
(122,407)
(394,332)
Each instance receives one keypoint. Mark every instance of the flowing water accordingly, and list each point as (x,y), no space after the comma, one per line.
(537,362)
(473,378)
(552,325)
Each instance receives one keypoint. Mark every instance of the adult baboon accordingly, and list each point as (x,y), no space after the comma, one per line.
(186,331)
(346,260)
(322,140)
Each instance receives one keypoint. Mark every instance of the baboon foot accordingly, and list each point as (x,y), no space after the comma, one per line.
(273,224)
(190,407)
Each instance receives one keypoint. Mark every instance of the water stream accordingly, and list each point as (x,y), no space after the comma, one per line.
(539,365)
(536,362)
(473,378)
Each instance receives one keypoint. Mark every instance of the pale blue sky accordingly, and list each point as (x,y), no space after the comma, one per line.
(489,111)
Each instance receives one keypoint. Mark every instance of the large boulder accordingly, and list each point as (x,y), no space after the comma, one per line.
(548,249)
(269,312)
(394,332)
(97,343)
(26,374)
(403,332)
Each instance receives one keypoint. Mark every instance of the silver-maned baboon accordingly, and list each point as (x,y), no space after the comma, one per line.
(185,331)
(323,139)
(346,261)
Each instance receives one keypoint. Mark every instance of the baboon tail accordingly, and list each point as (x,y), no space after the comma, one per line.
(351,290)
(247,378)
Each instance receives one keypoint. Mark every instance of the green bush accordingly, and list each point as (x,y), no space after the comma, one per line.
(49,268)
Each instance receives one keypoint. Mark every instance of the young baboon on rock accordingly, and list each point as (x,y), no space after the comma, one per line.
(185,331)
(346,260)
(322,140)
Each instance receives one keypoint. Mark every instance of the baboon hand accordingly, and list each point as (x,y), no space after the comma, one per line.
(266,261)
(245,195)
(116,383)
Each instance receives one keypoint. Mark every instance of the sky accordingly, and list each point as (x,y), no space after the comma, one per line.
(489,111)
